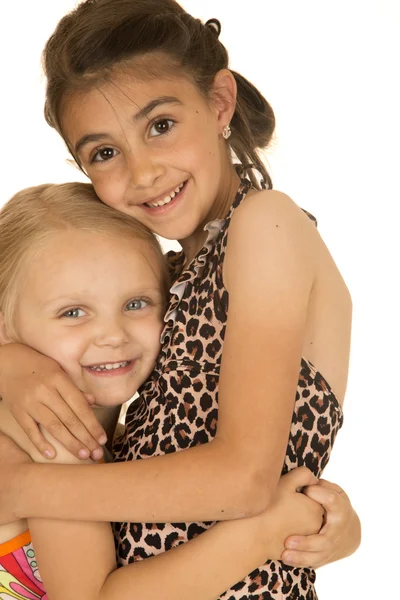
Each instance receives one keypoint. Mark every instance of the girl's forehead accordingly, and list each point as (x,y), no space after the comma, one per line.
(129,85)
(125,96)
(73,250)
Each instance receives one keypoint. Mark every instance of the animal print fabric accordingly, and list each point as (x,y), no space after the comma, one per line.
(178,408)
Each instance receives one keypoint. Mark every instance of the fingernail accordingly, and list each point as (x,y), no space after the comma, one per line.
(102,439)
(292,544)
(84,453)
(97,454)
(48,454)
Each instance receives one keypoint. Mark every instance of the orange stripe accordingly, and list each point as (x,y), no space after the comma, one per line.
(15,544)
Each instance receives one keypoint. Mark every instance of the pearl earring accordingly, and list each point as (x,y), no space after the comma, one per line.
(226,132)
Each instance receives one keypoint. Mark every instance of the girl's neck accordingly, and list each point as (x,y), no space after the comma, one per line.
(220,208)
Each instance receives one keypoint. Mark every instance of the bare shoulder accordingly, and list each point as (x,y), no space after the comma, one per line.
(272,204)
(268,229)
(272,217)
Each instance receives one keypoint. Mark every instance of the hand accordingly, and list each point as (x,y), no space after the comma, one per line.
(12,457)
(290,511)
(38,392)
(339,537)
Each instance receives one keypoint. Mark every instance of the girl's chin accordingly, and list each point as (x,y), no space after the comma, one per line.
(109,398)
(110,402)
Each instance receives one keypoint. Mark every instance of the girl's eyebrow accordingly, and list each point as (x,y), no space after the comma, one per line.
(86,139)
(143,113)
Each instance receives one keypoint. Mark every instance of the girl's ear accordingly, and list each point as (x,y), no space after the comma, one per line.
(224,97)
(4,338)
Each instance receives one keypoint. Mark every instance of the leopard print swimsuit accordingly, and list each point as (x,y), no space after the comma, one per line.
(178,408)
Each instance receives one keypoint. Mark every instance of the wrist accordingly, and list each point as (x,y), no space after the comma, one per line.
(270,532)
(248,535)
(260,531)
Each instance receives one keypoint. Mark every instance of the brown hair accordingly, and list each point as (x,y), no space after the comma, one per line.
(35,213)
(100,35)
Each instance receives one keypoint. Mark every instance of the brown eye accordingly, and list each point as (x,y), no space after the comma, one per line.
(161,127)
(104,154)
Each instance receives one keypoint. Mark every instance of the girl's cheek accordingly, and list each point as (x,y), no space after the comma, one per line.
(110,189)
(68,348)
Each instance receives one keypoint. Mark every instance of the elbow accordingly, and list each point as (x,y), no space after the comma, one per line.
(255,494)
(260,494)
(245,487)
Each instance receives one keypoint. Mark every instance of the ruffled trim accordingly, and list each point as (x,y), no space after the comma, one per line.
(213,229)
(177,290)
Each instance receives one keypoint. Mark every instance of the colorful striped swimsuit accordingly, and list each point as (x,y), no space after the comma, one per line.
(19,574)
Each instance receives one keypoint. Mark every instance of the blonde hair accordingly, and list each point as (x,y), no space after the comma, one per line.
(35,213)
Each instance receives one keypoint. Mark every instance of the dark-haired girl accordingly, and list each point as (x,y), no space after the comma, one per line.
(253,368)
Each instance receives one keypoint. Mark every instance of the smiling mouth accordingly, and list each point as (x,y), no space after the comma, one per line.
(107,367)
(167,199)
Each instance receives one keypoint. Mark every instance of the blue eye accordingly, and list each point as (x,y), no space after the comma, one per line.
(73,313)
(136,304)
(103,155)
(161,127)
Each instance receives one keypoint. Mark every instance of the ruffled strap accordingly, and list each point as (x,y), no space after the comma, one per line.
(215,231)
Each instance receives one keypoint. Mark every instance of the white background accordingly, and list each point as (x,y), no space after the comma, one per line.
(331,71)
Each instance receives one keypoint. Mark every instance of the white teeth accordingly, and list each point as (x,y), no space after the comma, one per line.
(167,199)
(110,366)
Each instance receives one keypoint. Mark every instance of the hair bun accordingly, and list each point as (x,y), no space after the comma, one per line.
(215,25)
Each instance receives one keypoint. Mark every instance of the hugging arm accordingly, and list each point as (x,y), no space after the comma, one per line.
(200,569)
(237,473)
(78,558)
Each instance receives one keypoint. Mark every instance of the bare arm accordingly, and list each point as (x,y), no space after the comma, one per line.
(200,569)
(340,538)
(236,474)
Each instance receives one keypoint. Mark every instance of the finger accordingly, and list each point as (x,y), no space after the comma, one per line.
(307,543)
(74,398)
(330,498)
(298,478)
(311,560)
(60,406)
(33,432)
(78,425)
(324,483)
(10,450)
(52,424)
(90,398)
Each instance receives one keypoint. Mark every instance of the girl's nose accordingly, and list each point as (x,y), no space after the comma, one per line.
(110,333)
(144,169)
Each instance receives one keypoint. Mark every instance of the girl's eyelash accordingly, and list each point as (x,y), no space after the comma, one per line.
(97,151)
(141,299)
(92,158)
(160,120)
(70,310)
